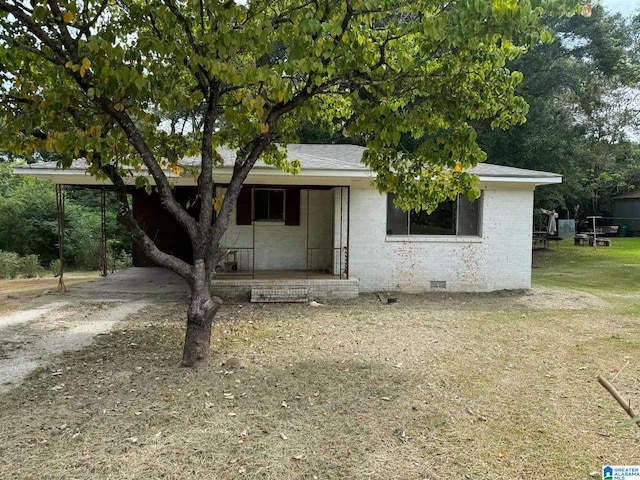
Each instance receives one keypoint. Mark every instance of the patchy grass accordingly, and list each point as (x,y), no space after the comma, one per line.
(17,294)
(484,386)
(487,386)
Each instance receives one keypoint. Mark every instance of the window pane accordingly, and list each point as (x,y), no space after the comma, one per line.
(397,220)
(268,205)
(468,216)
(440,222)
(276,205)
(261,204)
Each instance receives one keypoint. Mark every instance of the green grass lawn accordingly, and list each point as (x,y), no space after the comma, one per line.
(601,270)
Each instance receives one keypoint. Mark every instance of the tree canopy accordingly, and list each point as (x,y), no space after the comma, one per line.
(133,86)
(583,114)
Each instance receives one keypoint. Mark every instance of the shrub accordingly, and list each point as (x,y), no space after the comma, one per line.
(31,266)
(54,266)
(9,264)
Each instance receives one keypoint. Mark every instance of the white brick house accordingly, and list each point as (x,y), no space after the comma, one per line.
(327,227)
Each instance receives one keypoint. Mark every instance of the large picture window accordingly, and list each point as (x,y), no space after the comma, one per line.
(452,217)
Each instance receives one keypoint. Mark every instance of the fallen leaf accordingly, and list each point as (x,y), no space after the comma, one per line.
(178,451)
(132,439)
(348,453)
(503,453)
(234,460)
(170,398)
(297,457)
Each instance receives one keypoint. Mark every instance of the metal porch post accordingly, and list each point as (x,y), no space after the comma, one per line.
(103,237)
(60,212)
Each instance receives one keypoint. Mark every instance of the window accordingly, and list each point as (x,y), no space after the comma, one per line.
(268,205)
(452,217)
(281,204)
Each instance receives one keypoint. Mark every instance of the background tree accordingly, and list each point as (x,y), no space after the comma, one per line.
(582,112)
(93,79)
(29,222)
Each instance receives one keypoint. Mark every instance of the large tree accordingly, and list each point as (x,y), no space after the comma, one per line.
(582,110)
(96,79)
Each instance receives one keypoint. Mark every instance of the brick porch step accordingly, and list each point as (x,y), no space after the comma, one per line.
(279,295)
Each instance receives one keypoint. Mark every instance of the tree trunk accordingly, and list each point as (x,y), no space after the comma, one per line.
(202,309)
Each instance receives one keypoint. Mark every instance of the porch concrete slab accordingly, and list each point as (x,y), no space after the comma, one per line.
(160,284)
(154,283)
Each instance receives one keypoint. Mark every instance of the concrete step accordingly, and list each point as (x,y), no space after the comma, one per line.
(279,295)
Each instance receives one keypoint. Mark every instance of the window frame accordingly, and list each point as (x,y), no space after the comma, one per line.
(282,217)
(476,211)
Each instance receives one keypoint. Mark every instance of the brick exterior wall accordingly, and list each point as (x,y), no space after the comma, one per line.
(499,259)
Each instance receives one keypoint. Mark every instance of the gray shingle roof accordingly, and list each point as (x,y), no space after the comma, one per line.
(336,158)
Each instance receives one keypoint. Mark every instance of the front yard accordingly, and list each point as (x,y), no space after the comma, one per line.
(482,386)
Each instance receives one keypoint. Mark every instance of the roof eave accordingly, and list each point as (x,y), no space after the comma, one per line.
(522,180)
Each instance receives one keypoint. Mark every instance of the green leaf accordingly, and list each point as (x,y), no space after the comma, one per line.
(631,422)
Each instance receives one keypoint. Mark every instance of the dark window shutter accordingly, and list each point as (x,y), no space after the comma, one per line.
(292,206)
(243,207)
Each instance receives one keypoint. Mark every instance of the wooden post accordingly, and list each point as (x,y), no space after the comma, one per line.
(595,236)
(614,393)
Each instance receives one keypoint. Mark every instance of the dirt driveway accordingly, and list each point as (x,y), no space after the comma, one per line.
(37,323)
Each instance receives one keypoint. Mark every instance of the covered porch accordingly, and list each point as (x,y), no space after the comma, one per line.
(291,232)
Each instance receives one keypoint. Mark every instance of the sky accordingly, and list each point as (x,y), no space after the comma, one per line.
(626,7)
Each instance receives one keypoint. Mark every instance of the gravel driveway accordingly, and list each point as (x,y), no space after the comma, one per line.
(38,331)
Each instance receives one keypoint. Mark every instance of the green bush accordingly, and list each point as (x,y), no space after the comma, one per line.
(54,266)
(31,266)
(9,264)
